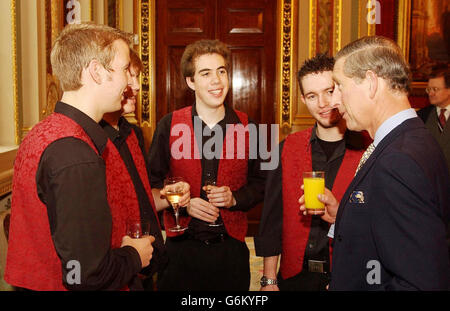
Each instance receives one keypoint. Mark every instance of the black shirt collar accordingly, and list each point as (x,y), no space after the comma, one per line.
(92,128)
(230,115)
(117,136)
(353,140)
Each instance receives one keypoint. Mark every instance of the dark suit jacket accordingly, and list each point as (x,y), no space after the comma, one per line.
(430,118)
(398,228)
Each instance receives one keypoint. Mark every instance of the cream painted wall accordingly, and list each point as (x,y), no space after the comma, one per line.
(29,80)
(128,16)
(7,127)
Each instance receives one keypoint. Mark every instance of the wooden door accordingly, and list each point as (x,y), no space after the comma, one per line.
(247,27)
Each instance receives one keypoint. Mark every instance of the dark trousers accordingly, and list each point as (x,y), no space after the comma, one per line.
(304,281)
(197,266)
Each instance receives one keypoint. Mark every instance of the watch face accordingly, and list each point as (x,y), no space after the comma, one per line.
(263,281)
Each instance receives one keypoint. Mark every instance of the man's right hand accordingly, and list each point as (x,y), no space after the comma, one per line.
(143,246)
(203,210)
(330,202)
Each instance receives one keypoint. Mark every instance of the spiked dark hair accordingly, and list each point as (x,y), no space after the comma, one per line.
(317,64)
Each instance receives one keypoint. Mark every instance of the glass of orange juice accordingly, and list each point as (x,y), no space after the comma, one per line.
(313,185)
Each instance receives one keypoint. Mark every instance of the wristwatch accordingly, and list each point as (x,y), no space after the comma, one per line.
(266,281)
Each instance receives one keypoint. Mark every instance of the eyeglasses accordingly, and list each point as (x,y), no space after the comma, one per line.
(433,89)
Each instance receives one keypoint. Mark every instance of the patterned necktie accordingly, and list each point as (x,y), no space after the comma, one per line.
(365,156)
(442,120)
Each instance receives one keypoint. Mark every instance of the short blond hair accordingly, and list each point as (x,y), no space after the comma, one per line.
(77,46)
(380,55)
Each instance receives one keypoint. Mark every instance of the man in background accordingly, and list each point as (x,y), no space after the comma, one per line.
(437,114)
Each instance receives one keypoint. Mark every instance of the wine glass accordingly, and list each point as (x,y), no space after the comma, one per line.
(137,228)
(209,184)
(173,187)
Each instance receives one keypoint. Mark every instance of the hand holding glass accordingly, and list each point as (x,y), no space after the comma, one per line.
(208,186)
(137,228)
(314,184)
(173,187)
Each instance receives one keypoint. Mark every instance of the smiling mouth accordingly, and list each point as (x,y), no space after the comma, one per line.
(328,112)
(216,93)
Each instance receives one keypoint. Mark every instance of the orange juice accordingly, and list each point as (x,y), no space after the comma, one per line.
(314,186)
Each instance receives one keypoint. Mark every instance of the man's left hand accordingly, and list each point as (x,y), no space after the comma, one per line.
(221,197)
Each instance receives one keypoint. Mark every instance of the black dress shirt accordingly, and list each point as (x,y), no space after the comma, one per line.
(71,182)
(119,138)
(246,197)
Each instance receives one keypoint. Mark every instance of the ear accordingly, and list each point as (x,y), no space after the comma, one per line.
(372,79)
(303,99)
(95,71)
(190,83)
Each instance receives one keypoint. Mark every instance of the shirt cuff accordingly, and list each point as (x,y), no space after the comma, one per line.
(331,232)
(267,246)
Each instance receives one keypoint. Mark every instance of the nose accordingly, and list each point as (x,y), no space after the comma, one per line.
(129,78)
(336,97)
(216,78)
(324,100)
(135,84)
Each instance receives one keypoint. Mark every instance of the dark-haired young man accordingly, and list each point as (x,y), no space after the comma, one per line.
(302,241)
(206,257)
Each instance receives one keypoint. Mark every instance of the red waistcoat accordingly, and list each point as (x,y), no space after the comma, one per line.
(233,168)
(296,159)
(32,261)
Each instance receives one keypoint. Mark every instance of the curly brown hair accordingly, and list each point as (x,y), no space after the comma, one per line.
(199,48)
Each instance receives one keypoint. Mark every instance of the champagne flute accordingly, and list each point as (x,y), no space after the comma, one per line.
(174,191)
(209,184)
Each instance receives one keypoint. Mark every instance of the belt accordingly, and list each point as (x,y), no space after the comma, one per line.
(222,237)
(216,240)
(318,266)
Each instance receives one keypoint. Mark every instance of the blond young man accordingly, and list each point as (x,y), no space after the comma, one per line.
(66,229)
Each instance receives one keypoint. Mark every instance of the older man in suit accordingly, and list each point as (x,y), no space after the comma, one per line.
(437,114)
(390,226)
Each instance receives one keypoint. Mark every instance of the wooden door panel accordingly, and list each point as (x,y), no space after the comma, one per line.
(178,23)
(246,82)
(179,94)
